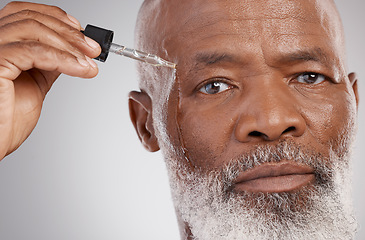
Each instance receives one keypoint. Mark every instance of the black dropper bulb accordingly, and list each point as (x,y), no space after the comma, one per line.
(102,36)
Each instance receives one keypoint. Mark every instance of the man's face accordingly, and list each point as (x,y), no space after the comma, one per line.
(252,73)
(261,115)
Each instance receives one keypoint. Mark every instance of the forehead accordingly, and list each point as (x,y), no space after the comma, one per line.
(268,24)
(192,14)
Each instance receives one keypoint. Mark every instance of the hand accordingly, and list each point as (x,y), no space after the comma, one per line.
(37,44)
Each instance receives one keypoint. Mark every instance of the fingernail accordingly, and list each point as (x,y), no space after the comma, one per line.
(91,43)
(83,62)
(73,19)
(91,62)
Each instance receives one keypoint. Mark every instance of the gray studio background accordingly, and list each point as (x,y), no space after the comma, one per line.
(83,173)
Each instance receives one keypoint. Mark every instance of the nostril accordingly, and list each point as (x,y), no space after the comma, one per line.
(289,129)
(271,135)
(255,134)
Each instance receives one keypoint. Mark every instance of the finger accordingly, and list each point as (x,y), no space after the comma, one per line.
(30,29)
(7,102)
(54,11)
(31,22)
(22,56)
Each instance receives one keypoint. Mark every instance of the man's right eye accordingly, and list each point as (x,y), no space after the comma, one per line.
(215,87)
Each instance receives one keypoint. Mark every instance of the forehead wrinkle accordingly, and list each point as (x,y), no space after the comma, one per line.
(272,9)
(202,29)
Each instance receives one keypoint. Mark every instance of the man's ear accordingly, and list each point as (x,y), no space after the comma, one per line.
(353,81)
(140,111)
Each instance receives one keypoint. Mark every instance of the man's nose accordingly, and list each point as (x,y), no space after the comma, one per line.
(269,113)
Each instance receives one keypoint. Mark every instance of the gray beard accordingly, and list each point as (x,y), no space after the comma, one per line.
(207,203)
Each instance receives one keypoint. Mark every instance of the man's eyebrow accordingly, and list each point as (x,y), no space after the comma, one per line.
(204,59)
(315,54)
(210,58)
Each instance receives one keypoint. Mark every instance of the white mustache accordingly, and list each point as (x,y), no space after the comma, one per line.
(286,150)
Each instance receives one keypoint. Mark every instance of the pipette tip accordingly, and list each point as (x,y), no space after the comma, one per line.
(165,63)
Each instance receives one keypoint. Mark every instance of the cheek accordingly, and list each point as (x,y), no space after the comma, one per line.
(328,117)
(205,132)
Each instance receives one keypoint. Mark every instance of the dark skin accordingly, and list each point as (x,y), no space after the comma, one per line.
(249,73)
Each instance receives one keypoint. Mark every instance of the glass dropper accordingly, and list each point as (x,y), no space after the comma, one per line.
(105,39)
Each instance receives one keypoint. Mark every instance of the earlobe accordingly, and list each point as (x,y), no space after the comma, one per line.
(353,80)
(140,111)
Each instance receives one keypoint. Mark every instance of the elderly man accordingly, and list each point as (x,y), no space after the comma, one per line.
(256,122)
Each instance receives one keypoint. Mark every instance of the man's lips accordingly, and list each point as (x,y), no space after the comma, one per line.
(274,177)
